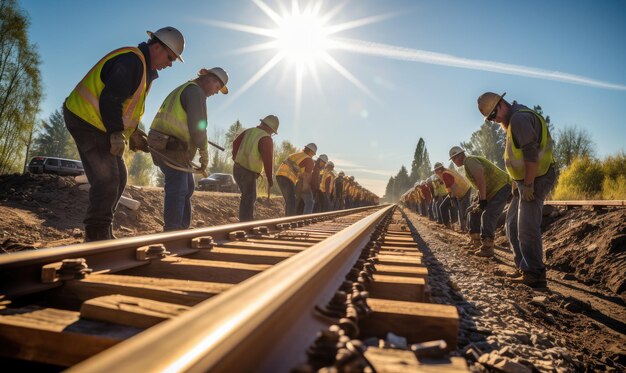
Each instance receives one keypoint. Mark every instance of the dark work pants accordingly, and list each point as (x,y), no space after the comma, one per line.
(246,180)
(106,173)
(523,223)
(288,189)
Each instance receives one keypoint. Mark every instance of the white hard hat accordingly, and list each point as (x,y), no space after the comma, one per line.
(271,121)
(311,146)
(323,158)
(330,164)
(438,165)
(456,150)
(220,74)
(171,37)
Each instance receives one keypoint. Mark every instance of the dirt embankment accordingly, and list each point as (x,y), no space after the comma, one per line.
(38,211)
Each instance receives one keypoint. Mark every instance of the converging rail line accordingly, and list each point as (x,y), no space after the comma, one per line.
(268,295)
(592,203)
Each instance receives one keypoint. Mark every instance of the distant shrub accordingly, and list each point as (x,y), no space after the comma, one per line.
(582,179)
(614,184)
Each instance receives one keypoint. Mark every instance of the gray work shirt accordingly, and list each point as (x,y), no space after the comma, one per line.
(526,132)
(193,100)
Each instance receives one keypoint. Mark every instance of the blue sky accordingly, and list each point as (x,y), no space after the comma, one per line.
(412,69)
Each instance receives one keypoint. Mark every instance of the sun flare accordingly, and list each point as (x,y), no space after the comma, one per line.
(302,38)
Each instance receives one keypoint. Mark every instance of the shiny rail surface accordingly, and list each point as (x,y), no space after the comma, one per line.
(20,273)
(593,203)
(264,324)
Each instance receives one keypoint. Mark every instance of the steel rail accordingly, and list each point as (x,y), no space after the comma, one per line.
(20,273)
(264,324)
(595,203)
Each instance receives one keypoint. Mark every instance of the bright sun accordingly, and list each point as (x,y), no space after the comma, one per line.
(302,38)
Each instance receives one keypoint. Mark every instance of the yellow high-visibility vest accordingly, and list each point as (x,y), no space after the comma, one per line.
(514,158)
(84,101)
(171,119)
(495,178)
(460,180)
(248,155)
(326,175)
(290,168)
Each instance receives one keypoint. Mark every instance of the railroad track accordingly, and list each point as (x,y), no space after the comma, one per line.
(596,204)
(267,296)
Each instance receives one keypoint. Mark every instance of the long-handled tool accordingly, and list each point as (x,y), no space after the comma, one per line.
(217,146)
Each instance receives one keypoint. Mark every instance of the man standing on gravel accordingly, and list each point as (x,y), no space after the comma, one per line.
(102,114)
(178,131)
(494,188)
(298,166)
(253,150)
(529,161)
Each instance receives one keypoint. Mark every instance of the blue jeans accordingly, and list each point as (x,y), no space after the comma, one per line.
(179,188)
(462,204)
(288,189)
(523,225)
(444,210)
(309,201)
(106,173)
(489,218)
(246,180)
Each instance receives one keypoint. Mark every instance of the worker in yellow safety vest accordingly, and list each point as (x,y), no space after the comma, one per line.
(528,159)
(459,191)
(297,166)
(102,114)
(253,151)
(327,187)
(494,188)
(178,132)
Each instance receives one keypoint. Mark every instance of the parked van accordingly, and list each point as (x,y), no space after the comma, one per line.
(54,165)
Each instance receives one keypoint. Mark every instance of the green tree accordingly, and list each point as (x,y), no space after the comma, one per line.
(140,168)
(390,190)
(20,86)
(489,142)
(420,167)
(572,143)
(231,134)
(402,183)
(54,139)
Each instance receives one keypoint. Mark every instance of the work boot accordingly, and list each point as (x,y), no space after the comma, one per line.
(533,280)
(474,243)
(515,274)
(486,249)
(96,233)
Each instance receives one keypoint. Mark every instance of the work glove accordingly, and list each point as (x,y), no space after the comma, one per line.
(528,192)
(138,141)
(204,162)
(118,143)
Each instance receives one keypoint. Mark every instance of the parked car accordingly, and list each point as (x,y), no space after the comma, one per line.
(219,182)
(54,165)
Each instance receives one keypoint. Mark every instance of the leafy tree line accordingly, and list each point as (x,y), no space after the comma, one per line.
(20,86)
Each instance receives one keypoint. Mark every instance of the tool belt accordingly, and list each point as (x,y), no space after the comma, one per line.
(161,141)
(158,142)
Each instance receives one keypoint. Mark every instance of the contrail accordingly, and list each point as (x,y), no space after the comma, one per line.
(417,55)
